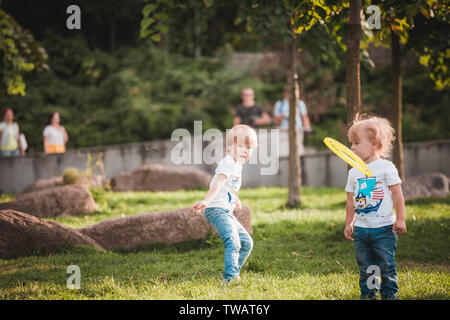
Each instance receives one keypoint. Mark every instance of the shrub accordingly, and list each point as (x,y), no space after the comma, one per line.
(72,175)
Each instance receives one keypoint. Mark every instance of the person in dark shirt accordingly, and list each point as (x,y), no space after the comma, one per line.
(248,112)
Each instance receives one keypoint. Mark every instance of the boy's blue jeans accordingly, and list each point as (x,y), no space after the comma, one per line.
(237,242)
(376,246)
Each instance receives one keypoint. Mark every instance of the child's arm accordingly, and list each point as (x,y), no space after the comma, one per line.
(349,216)
(218,184)
(399,205)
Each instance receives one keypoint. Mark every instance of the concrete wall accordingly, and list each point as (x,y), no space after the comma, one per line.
(320,168)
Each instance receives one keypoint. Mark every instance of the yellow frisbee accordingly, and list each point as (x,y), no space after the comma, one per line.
(347,155)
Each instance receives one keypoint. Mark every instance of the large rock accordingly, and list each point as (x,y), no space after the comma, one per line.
(155,177)
(43,184)
(427,185)
(166,227)
(69,200)
(22,234)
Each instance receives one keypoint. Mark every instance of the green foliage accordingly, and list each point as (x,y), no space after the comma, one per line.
(20,53)
(425,115)
(143,92)
(192,28)
(433,49)
(155,18)
(71,175)
(134,94)
(423,26)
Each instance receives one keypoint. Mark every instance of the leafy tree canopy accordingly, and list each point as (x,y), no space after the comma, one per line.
(20,53)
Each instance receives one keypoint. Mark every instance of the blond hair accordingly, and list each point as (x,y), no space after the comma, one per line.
(377,129)
(242,132)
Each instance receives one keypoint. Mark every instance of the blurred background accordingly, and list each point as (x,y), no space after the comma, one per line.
(112,84)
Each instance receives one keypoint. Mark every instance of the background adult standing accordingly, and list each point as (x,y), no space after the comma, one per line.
(55,135)
(249,112)
(281,117)
(10,143)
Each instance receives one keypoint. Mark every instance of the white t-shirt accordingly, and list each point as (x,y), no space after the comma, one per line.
(226,197)
(53,135)
(371,195)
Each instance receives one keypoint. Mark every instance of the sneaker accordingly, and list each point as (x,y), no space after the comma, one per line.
(232,280)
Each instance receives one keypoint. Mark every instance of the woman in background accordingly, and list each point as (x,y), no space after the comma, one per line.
(55,136)
(10,144)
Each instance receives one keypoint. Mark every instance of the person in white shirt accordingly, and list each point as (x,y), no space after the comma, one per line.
(55,135)
(281,118)
(370,206)
(222,198)
(10,144)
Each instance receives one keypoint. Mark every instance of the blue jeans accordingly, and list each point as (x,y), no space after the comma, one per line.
(10,153)
(237,242)
(376,246)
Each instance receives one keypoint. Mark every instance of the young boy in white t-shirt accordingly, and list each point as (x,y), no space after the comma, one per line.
(370,203)
(221,200)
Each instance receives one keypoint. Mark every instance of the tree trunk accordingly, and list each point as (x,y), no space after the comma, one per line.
(294,159)
(397,104)
(197,30)
(352,77)
(112,35)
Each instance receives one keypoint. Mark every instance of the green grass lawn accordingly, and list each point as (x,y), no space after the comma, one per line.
(298,254)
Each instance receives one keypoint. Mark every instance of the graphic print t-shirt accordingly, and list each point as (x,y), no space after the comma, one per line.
(226,197)
(371,195)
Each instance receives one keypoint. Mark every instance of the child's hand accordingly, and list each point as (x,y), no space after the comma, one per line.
(399,227)
(348,231)
(199,207)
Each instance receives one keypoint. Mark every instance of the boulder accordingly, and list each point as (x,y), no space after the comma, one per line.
(427,185)
(155,177)
(122,182)
(166,227)
(43,184)
(23,234)
(69,200)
